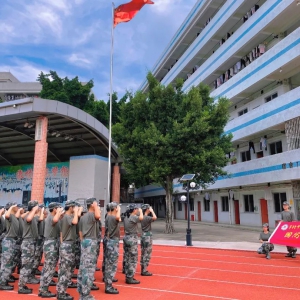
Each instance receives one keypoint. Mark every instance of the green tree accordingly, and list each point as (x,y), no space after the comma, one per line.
(70,91)
(167,133)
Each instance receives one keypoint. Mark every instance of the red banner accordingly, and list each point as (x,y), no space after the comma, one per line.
(286,233)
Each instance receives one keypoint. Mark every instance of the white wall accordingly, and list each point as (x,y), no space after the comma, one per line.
(88,178)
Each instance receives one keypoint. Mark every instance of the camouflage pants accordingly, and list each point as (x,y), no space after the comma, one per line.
(28,249)
(146,250)
(87,267)
(38,253)
(104,249)
(265,248)
(98,250)
(111,260)
(51,258)
(1,239)
(66,262)
(77,251)
(17,256)
(291,249)
(7,259)
(131,254)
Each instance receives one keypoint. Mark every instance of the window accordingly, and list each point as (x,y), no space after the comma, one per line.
(225,203)
(279,198)
(192,204)
(276,148)
(242,112)
(249,203)
(179,206)
(206,205)
(245,156)
(271,97)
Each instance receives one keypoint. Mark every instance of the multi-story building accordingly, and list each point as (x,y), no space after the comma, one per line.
(249,52)
(12,89)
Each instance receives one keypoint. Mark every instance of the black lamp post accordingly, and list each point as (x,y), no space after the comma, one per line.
(189,185)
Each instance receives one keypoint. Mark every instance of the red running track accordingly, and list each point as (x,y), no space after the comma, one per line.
(195,273)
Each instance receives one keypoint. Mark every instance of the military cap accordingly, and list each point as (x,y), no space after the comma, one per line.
(42,206)
(132,207)
(285,203)
(113,205)
(53,205)
(69,203)
(108,206)
(90,201)
(145,206)
(265,225)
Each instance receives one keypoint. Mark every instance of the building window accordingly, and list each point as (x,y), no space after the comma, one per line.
(179,206)
(249,203)
(242,112)
(245,156)
(206,205)
(279,198)
(225,203)
(192,204)
(271,97)
(276,148)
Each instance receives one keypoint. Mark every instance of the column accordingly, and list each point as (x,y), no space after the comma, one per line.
(40,160)
(115,195)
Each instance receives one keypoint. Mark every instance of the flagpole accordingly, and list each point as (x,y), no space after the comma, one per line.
(110,103)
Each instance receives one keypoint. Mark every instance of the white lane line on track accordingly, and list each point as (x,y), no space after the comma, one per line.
(232,271)
(233,282)
(223,262)
(172,292)
(226,255)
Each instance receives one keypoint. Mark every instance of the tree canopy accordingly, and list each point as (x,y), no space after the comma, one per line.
(167,133)
(80,95)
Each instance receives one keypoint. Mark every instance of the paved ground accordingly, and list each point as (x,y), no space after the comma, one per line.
(210,235)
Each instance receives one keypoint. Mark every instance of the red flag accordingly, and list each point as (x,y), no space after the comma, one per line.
(286,233)
(126,12)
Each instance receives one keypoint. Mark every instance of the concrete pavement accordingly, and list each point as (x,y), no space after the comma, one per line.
(210,235)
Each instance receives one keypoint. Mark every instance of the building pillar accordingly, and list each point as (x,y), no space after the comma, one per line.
(40,160)
(115,196)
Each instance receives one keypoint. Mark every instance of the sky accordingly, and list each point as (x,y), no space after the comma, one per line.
(73,37)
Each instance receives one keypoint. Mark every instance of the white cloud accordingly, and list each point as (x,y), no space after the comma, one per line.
(79,60)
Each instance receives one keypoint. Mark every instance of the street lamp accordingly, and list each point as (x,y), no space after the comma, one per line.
(190,185)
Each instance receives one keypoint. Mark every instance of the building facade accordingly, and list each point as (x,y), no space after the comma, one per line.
(12,89)
(249,52)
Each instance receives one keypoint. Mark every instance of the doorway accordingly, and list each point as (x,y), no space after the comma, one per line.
(216,211)
(26,197)
(264,211)
(199,210)
(237,212)
(297,202)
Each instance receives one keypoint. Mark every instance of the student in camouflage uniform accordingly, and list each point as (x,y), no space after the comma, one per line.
(88,235)
(112,247)
(17,257)
(50,248)
(288,216)
(146,238)
(67,248)
(30,235)
(8,244)
(105,238)
(266,247)
(130,240)
(2,229)
(99,236)
(40,242)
